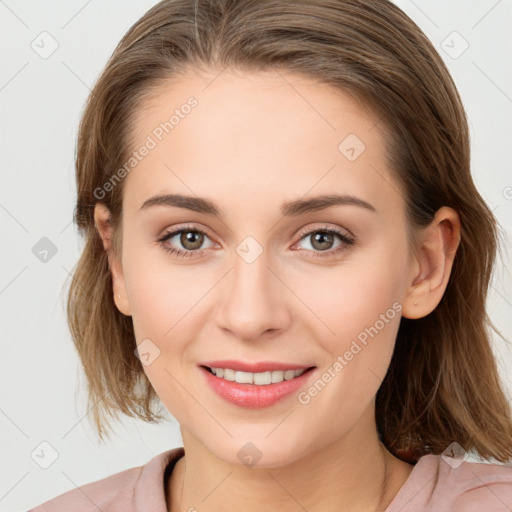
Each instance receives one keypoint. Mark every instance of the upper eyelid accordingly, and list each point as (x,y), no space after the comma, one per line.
(170,232)
(307,231)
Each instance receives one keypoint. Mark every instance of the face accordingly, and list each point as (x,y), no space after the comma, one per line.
(272,275)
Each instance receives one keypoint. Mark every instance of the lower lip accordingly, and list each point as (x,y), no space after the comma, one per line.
(253,396)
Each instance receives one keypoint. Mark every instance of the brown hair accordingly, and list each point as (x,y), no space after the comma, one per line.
(442,384)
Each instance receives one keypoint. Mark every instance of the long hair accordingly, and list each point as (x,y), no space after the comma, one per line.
(442,384)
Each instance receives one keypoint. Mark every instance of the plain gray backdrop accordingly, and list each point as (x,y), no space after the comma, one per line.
(52,53)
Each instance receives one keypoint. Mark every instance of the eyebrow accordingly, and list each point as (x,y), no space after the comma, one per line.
(288,208)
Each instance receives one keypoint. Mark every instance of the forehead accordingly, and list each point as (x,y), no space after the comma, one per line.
(244,137)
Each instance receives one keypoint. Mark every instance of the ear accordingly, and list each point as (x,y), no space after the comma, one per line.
(432,265)
(104,226)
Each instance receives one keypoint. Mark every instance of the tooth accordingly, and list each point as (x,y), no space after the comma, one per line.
(243,377)
(229,374)
(262,378)
(289,374)
(259,379)
(277,376)
(219,372)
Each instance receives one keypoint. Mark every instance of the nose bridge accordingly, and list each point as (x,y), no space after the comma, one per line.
(251,275)
(254,301)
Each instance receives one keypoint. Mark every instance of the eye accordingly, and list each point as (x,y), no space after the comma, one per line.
(321,241)
(188,237)
(191,239)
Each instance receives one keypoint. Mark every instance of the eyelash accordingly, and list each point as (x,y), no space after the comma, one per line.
(347,241)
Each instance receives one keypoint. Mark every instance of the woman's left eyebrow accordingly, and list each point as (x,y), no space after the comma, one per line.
(288,208)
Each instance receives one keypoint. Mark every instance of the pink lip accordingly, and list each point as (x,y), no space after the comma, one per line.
(253,396)
(254,367)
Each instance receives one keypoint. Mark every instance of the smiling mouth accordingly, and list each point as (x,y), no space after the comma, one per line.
(257,378)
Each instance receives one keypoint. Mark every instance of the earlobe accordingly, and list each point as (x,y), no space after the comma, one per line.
(432,265)
(102,221)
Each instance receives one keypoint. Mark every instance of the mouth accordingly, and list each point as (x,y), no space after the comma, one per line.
(259,389)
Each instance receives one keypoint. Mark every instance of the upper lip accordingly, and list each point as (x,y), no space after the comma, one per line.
(264,366)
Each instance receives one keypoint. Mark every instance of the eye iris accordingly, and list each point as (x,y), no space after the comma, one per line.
(191,237)
(322,238)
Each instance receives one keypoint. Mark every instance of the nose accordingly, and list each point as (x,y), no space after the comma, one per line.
(253,300)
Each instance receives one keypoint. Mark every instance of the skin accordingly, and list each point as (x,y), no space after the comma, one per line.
(252,143)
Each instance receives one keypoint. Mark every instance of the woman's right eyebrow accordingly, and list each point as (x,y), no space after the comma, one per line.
(288,209)
(196,204)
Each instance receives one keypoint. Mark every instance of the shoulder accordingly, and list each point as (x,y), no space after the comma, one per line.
(119,492)
(482,486)
(109,493)
(472,486)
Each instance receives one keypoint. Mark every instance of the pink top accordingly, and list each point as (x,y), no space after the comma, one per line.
(433,485)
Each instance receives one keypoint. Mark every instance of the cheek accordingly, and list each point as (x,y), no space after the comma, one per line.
(164,296)
(351,297)
(365,321)
(359,305)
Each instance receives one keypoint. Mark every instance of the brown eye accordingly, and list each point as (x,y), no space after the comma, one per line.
(191,240)
(322,241)
(184,242)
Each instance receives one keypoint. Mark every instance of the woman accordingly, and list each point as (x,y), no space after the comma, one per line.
(285,247)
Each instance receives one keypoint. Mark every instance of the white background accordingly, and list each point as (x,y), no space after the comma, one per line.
(42,389)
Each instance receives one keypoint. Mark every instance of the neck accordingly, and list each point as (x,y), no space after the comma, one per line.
(356,473)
